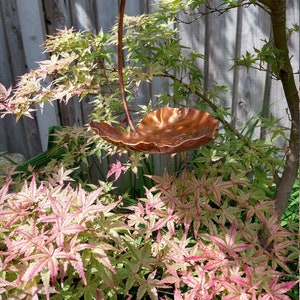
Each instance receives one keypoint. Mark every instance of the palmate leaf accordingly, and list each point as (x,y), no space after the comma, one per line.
(199,287)
(215,259)
(149,285)
(227,212)
(4,190)
(172,277)
(139,257)
(236,292)
(101,256)
(16,206)
(219,187)
(116,169)
(276,290)
(230,245)
(179,251)
(47,257)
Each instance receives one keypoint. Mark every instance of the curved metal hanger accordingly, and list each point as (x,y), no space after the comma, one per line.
(166,130)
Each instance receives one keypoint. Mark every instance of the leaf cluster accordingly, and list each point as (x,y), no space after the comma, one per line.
(79,64)
(204,232)
(50,232)
(267,59)
(209,231)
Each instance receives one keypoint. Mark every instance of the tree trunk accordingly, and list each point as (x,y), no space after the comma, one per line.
(278,17)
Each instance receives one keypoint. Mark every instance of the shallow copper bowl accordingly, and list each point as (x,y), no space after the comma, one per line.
(166,130)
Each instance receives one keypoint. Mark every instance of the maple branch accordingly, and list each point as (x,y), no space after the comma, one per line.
(213,106)
(120,64)
(267,3)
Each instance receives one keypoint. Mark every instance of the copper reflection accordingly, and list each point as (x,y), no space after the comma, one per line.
(166,130)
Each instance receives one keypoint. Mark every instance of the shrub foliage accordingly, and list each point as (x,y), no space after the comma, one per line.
(210,230)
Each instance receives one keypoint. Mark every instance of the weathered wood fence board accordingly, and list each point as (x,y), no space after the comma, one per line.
(250,87)
(32,26)
(24,24)
(23,137)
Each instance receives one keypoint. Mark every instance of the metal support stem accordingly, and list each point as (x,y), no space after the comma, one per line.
(120,64)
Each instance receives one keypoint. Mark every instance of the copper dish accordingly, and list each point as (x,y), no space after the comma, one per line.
(166,130)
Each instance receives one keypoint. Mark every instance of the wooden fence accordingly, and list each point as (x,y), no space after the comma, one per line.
(25,23)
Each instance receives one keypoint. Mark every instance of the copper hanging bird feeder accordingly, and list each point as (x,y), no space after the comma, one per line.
(166,130)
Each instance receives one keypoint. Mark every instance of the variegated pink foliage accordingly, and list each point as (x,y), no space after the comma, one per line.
(207,245)
(49,230)
(190,237)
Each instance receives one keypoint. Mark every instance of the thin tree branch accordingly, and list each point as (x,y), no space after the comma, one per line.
(220,9)
(213,106)
(267,3)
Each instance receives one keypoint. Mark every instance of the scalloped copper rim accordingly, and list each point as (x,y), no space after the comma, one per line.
(166,130)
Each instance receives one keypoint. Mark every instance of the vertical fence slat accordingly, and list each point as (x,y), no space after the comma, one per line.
(58,14)
(83,19)
(5,77)
(24,136)
(32,28)
(251,84)
(106,12)
(83,15)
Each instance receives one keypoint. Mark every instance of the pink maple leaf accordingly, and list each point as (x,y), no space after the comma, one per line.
(172,278)
(45,258)
(4,190)
(230,245)
(277,290)
(18,206)
(74,257)
(62,220)
(116,169)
